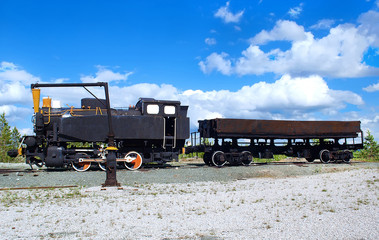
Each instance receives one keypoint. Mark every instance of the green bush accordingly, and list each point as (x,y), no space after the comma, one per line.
(370,151)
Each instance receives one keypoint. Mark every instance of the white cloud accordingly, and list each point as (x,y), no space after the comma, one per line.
(9,72)
(216,62)
(372,88)
(323,24)
(105,75)
(339,54)
(227,16)
(370,27)
(371,123)
(210,41)
(26,131)
(285,98)
(15,84)
(129,95)
(14,113)
(61,80)
(283,31)
(296,11)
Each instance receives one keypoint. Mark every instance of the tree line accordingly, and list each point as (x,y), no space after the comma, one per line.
(9,139)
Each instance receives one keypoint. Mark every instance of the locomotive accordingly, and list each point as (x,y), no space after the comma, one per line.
(156,131)
(151,131)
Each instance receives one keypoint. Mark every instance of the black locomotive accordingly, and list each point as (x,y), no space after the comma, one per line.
(156,131)
(151,131)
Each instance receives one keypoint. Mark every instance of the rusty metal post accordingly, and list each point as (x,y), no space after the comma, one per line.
(111,180)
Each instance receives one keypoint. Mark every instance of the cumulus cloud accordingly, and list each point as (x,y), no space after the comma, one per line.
(217,62)
(10,72)
(286,98)
(283,31)
(370,27)
(14,85)
(372,88)
(105,75)
(227,16)
(338,54)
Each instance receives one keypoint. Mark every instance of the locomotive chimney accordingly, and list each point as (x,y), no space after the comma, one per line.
(36,97)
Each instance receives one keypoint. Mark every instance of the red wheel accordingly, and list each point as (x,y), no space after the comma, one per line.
(133,160)
(81,166)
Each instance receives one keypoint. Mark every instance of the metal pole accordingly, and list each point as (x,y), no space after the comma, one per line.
(110,180)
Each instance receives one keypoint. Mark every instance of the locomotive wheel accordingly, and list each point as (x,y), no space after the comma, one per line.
(246,158)
(133,160)
(39,164)
(81,166)
(102,165)
(218,159)
(325,156)
(207,158)
(310,159)
(346,158)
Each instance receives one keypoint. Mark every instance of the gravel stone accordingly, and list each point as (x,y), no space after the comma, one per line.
(257,202)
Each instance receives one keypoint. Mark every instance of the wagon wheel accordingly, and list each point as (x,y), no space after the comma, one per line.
(325,156)
(246,158)
(218,159)
(81,166)
(102,165)
(347,155)
(207,158)
(133,160)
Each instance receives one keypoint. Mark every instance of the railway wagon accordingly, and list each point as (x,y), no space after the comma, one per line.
(239,141)
(151,131)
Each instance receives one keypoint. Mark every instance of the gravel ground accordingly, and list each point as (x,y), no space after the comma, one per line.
(339,205)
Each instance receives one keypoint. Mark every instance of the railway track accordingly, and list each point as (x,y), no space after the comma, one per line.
(24,178)
(149,167)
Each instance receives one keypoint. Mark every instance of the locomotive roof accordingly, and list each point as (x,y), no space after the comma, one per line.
(152,100)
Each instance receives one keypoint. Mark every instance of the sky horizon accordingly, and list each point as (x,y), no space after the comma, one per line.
(297,60)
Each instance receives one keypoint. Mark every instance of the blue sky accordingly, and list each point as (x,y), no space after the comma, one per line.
(266,59)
